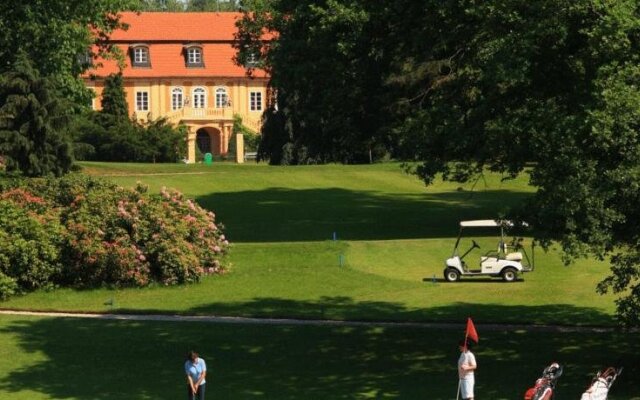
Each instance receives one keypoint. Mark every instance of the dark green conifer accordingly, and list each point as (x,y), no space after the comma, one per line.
(32,119)
(114,101)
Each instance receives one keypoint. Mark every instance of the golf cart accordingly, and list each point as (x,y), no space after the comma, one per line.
(507,261)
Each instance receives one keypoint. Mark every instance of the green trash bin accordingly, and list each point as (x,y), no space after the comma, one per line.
(208,159)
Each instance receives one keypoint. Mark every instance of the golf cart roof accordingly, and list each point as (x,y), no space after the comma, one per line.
(484,223)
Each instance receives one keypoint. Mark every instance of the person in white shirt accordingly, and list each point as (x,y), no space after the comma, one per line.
(466,366)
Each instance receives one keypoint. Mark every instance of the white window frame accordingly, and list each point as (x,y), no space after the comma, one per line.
(255,101)
(197,91)
(177,98)
(140,55)
(142,100)
(222,97)
(194,56)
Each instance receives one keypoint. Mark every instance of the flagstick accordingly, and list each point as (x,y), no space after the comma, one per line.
(459,380)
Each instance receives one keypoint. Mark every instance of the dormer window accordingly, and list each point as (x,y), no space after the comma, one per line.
(193,56)
(252,59)
(140,56)
(250,56)
(84,59)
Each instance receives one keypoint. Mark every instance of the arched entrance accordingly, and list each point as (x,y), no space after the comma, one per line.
(208,140)
(203,141)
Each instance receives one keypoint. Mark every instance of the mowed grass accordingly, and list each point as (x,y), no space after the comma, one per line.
(46,358)
(260,203)
(393,237)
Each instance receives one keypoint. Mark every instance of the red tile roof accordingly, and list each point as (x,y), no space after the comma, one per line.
(181,26)
(166,34)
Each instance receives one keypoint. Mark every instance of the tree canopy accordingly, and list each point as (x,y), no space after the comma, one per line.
(44,49)
(327,68)
(58,35)
(190,5)
(552,83)
(162,5)
(213,5)
(548,87)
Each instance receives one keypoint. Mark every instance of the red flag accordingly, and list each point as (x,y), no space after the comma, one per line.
(471,331)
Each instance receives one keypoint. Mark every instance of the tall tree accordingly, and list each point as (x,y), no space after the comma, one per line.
(56,35)
(31,122)
(114,99)
(327,65)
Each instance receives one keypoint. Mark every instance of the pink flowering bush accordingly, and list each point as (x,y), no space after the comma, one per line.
(108,235)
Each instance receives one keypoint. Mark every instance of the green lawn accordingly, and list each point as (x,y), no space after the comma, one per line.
(394,235)
(259,203)
(44,358)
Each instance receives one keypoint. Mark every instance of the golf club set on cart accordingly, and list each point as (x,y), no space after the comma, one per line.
(544,388)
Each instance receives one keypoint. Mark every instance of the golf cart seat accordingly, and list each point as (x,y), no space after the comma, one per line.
(517,256)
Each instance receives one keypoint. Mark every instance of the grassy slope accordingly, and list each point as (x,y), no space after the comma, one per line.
(394,236)
(43,358)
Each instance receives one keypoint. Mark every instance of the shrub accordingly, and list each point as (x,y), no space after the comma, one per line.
(29,242)
(83,232)
(8,286)
(166,142)
(103,137)
(199,154)
(83,151)
(251,139)
(124,141)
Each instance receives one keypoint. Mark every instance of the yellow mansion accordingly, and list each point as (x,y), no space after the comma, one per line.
(180,66)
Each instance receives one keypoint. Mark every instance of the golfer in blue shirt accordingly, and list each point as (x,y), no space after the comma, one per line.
(196,370)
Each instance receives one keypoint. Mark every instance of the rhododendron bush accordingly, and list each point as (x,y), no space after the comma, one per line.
(83,232)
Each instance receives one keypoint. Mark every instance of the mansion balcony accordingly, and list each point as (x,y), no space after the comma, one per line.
(200,114)
(215,115)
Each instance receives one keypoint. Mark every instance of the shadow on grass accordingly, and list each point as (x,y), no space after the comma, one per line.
(345,308)
(280,214)
(466,279)
(143,360)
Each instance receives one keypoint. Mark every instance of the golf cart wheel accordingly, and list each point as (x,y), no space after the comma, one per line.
(509,274)
(451,275)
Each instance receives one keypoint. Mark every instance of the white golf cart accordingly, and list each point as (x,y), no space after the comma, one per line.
(507,261)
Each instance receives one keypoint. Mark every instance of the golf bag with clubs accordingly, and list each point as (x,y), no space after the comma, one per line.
(545,385)
(601,383)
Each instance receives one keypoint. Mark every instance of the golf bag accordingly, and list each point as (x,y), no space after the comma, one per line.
(545,385)
(601,383)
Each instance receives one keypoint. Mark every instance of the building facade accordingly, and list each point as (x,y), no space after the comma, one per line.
(180,66)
